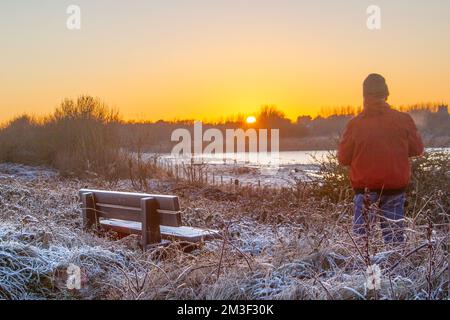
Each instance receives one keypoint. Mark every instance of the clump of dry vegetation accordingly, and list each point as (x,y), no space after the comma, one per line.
(81,136)
(290,243)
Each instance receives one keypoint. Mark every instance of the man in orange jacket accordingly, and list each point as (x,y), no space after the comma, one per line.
(377,145)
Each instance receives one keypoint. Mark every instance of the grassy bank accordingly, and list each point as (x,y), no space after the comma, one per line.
(274,246)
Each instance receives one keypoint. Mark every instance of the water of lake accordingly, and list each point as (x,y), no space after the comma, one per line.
(283,158)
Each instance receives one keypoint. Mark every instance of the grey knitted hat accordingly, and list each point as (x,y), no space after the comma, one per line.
(375,85)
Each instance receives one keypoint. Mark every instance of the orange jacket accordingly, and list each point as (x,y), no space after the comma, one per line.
(377,145)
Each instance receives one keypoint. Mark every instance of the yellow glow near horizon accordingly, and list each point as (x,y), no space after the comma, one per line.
(216,59)
(251,120)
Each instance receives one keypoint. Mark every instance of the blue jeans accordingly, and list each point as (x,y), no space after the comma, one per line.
(390,210)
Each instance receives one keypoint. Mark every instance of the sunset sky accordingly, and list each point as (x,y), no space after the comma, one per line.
(206,59)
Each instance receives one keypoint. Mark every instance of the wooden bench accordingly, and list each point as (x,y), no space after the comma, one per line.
(154,217)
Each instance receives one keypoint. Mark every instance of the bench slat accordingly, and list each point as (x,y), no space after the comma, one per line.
(110,211)
(170,218)
(118,212)
(129,199)
(188,234)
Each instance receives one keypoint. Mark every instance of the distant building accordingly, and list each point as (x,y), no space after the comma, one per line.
(443,110)
(304,120)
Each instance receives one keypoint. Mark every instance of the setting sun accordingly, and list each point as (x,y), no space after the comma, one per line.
(251,120)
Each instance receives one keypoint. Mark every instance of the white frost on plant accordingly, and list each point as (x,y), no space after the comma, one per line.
(373,277)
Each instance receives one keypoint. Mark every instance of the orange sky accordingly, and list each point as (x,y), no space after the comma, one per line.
(210,59)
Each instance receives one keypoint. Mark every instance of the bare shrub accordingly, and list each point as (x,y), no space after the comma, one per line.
(81,136)
(17,141)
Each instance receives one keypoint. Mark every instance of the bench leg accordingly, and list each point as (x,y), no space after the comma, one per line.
(150,222)
(89,215)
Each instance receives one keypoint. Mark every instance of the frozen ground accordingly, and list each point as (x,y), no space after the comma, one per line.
(265,252)
(26,172)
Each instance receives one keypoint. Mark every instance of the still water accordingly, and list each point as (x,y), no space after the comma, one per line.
(282,158)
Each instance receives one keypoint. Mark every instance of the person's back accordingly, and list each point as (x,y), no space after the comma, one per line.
(377,145)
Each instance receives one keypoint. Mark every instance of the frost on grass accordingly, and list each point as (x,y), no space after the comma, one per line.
(33,268)
(26,172)
(301,253)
